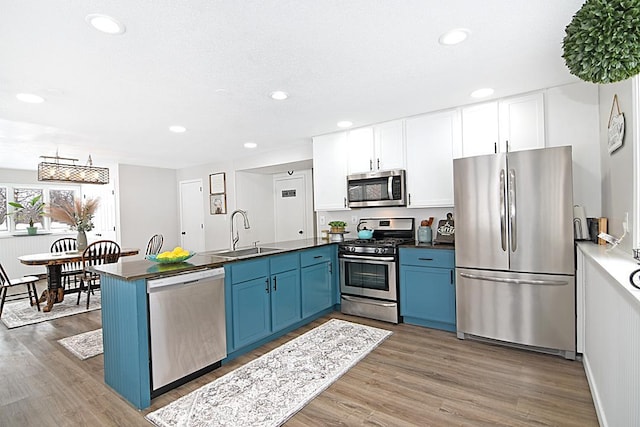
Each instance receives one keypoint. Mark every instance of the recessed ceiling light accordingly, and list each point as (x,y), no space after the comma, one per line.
(345,124)
(177,129)
(105,23)
(250,145)
(482,93)
(31,98)
(455,36)
(279,95)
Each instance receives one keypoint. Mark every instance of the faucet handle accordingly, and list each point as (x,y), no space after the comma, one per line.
(255,244)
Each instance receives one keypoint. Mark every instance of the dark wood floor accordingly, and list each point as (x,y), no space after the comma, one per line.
(418,376)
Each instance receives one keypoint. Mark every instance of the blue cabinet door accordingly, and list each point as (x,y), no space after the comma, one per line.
(427,296)
(251,311)
(317,288)
(285,299)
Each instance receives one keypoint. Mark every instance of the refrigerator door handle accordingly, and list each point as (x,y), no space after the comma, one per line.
(503,219)
(514,281)
(513,226)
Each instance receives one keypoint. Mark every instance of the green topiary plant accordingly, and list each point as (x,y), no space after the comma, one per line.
(602,42)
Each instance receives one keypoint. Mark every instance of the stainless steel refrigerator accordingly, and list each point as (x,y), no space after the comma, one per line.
(515,274)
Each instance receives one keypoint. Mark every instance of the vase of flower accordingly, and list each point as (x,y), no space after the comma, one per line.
(81,241)
(78,215)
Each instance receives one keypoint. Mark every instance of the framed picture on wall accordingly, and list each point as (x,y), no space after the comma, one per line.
(218,203)
(217,183)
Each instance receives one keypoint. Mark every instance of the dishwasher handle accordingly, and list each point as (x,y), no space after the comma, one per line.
(187,278)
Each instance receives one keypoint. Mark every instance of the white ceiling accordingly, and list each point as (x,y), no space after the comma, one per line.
(210,66)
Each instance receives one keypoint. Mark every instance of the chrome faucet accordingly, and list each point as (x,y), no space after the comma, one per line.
(234,235)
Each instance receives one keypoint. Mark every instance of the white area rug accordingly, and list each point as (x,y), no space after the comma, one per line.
(269,390)
(20,313)
(84,345)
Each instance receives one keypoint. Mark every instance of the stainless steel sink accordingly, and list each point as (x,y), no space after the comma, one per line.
(240,253)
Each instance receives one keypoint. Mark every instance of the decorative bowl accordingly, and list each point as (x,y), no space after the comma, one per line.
(365,234)
(154,258)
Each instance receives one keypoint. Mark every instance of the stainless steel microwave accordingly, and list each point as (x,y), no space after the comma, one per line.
(383,188)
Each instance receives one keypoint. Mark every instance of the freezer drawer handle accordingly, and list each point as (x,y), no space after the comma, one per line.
(515,281)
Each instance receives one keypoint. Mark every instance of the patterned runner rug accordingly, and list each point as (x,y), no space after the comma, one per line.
(20,313)
(84,345)
(269,390)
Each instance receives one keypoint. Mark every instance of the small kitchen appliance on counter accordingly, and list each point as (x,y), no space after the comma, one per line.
(369,268)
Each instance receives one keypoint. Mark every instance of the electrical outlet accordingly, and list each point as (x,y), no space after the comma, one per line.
(354,219)
(323,221)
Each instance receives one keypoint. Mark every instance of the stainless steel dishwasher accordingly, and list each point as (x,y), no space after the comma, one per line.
(186,327)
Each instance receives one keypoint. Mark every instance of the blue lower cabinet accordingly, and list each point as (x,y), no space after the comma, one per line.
(272,295)
(317,288)
(285,299)
(427,288)
(251,311)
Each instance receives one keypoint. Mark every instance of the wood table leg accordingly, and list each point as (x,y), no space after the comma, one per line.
(55,291)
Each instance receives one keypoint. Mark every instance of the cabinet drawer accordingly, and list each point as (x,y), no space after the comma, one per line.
(247,270)
(315,256)
(427,257)
(284,262)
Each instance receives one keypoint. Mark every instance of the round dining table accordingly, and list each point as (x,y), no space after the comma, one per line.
(54,262)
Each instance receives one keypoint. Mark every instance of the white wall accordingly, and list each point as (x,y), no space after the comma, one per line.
(254,187)
(148,205)
(617,168)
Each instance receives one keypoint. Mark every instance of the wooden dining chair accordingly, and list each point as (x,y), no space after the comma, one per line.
(6,283)
(97,253)
(155,245)
(71,270)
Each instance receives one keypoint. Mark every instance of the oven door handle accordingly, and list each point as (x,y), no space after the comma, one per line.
(364,301)
(368,258)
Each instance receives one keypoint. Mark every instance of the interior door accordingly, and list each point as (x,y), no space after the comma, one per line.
(290,207)
(192,215)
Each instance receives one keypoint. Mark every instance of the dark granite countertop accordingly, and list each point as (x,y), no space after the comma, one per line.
(144,269)
(417,245)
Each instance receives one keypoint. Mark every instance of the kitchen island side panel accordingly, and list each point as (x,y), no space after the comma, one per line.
(125,339)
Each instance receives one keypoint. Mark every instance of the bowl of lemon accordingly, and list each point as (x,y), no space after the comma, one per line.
(170,257)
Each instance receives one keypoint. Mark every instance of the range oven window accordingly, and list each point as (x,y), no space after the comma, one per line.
(368,276)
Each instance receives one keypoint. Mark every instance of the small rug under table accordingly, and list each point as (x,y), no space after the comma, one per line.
(85,345)
(269,390)
(21,313)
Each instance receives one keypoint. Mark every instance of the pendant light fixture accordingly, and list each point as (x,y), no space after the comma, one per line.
(64,169)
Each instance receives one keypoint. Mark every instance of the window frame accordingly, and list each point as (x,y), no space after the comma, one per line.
(45,188)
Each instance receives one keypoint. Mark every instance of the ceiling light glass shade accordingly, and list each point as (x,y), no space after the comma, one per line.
(279,95)
(345,124)
(177,129)
(250,145)
(455,36)
(105,23)
(31,98)
(482,93)
(56,171)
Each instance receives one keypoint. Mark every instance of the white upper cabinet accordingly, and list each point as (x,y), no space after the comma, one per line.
(376,148)
(522,123)
(430,141)
(330,172)
(511,124)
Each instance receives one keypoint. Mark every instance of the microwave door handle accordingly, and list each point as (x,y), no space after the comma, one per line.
(390,188)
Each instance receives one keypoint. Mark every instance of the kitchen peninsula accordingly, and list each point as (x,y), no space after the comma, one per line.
(266,295)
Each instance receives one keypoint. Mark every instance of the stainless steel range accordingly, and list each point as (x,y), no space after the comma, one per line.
(369,268)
